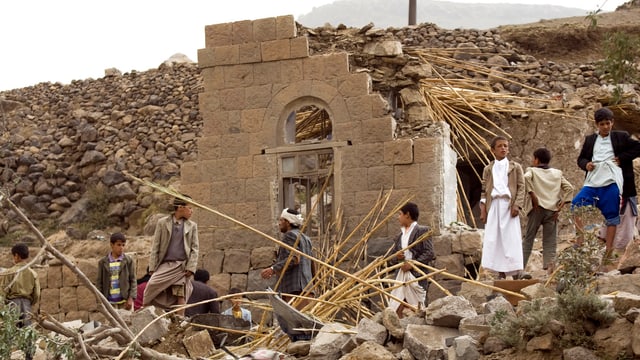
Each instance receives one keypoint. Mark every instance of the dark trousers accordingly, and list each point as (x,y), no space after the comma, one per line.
(536,218)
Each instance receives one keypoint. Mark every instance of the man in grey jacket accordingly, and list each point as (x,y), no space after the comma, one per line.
(174,259)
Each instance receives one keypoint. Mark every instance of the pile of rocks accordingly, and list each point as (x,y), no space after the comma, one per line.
(60,141)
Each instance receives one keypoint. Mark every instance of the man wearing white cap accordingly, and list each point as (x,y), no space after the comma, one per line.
(299,271)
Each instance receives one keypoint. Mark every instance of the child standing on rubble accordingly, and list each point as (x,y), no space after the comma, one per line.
(117,275)
(547,192)
(501,199)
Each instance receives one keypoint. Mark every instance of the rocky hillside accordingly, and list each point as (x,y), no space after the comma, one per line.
(65,147)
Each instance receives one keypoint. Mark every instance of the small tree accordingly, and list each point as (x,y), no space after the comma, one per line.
(621,51)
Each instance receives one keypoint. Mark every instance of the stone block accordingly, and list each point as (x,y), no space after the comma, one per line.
(264,29)
(235,261)
(142,266)
(443,244)
(425,150)
(153,333)
(369,330)
(234,191)
(286,27)
(50,300)
(240,75)
(379,106)
(238,281)
(68,299)
(88,267)
(232,99)
(83,316)
(251,120)
(218,35)
(468,243)
(242,32)
(86,299)
(356,181)
(247,212)
(328,342)
(291,70)
(262,257)
(267,73)
(379,177)
(299,47)
(359,108)
(255,282)
(275,50)
(221,282)
(198,345)
(54,276)
(407,177)
(210,259)
(234,145)
(206,58)
(377,130)
(258,97)
(212,79)
(226,55)
(69,278)
(454,264)
(354,85)
(426,341)
(336,65)
(249,53)
(398,151)
(313,68)
(362,155)
(476,294)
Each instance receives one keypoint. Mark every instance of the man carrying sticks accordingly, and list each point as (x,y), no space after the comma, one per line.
(173,259)
(414,293)
(295,277)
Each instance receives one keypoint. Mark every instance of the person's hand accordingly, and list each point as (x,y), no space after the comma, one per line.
(400,256)
(188,273)
(483,216)
(129,304)
(590,166)
(406,267)
(515,210)
(267,273)
(616,160)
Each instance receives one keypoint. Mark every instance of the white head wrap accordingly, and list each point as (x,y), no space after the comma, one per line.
(292,219)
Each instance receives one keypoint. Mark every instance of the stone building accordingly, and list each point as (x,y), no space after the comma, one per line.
(253,160)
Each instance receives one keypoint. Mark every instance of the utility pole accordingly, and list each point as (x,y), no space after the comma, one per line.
(412,12)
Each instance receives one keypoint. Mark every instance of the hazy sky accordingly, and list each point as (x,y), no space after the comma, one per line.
(63,40)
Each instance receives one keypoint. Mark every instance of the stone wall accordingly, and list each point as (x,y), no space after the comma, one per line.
(255,74)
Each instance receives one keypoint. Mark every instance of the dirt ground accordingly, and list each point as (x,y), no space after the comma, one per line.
(571,40)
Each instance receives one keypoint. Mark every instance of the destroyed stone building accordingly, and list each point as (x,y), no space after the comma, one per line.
(226,130)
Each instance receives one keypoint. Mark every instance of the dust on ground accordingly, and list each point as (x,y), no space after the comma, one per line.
(571,40)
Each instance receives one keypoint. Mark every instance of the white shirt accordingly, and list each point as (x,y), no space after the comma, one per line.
(500,175)
(404,240)
(605,171)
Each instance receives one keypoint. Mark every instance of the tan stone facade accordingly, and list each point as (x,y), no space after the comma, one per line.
(256,74)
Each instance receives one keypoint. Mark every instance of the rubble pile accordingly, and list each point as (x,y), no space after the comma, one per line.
(59,141)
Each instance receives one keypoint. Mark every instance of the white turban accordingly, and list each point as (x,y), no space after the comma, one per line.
(291,218)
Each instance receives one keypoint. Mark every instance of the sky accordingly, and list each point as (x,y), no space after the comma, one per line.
(65,40)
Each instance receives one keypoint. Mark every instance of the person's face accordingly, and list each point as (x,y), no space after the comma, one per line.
(501,149)
(236,301)
(604,127)
(184,212)
(404,219)
(117,248)
(16,258)
(283,225)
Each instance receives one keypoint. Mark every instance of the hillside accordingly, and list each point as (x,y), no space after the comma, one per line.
(570,40)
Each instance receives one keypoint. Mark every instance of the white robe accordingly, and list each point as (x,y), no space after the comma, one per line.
(412,293)
(502,243)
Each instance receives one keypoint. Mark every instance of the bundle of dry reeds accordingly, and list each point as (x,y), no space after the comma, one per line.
(348,285)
